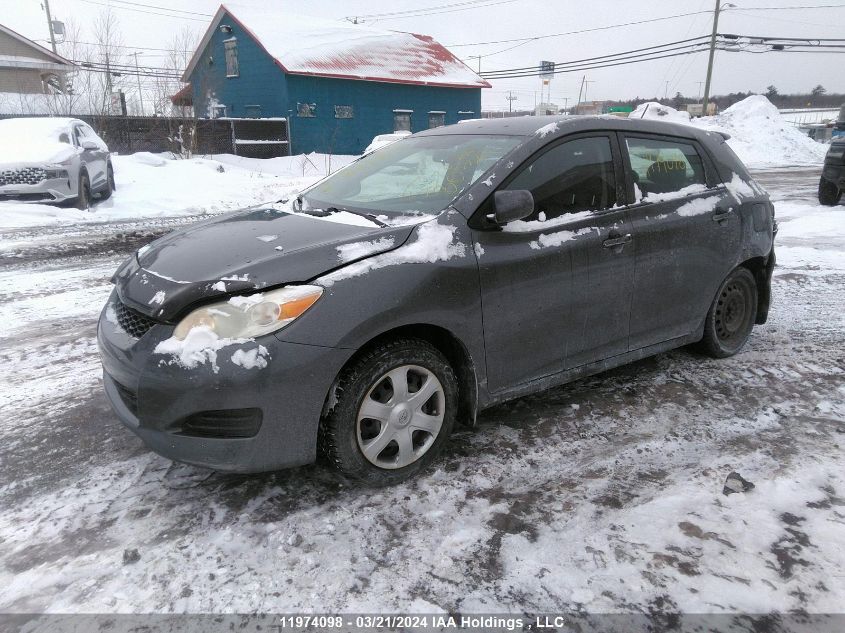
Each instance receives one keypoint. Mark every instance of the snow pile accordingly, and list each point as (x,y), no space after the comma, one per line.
(383,140)
(761,137)
(434,242)
(155,185)
(659,112)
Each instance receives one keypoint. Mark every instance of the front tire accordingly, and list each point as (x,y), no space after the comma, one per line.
(731,316)
(395,409)
(110,186)
(83,198)
(829,193)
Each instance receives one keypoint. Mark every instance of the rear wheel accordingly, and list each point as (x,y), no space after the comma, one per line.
(394,412)
(731,316)
(829,193)
(83,198)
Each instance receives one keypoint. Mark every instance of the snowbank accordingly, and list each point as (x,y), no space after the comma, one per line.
(659,112)
(761,137)
(155,185)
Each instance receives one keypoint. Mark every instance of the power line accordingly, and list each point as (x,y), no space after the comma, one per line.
(167,15)
(590,30)
(423,11)
(532,70)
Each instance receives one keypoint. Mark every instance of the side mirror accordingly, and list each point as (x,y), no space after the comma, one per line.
(509,206)
(90,145)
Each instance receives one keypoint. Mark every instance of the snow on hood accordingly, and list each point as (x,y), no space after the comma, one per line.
(192,265)
(34,140)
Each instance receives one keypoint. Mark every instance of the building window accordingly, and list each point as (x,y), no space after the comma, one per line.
(231,48)
(436,118)
(252,111)
(218,111)
(307,110)
(402,120)
(344,112)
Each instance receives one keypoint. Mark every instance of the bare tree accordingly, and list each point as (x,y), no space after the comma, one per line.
(108,63)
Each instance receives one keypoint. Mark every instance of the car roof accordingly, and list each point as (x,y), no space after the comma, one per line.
(564,124)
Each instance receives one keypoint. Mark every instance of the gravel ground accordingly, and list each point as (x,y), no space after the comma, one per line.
(604,495)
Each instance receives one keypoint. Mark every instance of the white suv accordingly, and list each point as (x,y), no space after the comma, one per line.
(53,160)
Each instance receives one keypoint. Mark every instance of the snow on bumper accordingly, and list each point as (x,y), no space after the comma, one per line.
(234,419)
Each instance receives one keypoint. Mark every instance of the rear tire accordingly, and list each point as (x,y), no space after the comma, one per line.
(83,198)
(829,193)
(731,316)
(394,411)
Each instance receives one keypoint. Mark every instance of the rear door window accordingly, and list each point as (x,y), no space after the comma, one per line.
(662,166)
(576,175)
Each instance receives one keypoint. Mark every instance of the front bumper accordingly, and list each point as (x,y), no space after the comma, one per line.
(47,191)
(155,398)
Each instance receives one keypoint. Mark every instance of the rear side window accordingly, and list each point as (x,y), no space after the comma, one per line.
(660,166)
(577,175)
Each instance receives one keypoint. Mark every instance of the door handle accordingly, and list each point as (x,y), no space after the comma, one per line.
(613,242)
(720,216)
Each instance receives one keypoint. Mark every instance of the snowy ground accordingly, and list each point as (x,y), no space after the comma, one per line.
(604,495)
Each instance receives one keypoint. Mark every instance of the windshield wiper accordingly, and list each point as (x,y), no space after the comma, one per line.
(321,213)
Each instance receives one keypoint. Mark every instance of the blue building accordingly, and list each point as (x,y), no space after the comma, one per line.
(338,84)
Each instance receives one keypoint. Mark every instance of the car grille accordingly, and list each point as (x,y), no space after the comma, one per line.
(133,323)
(25,176)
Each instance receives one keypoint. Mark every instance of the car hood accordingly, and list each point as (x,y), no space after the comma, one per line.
(242,251)
(43,153)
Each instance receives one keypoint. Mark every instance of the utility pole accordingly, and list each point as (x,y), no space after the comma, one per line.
(700,83)
(580,90)
(712,55)
(666,91)
(50,25)
(138,77)
(511,98)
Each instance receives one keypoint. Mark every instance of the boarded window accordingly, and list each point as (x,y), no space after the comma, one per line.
(343,112)
(436,119)
(231,48)
(307,110)
(402,120)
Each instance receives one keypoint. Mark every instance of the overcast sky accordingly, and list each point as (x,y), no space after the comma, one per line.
(527,18)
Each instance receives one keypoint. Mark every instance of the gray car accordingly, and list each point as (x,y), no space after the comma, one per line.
(53,160)
(445,273)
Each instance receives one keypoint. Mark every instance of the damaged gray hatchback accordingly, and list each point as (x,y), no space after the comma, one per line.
(450,271)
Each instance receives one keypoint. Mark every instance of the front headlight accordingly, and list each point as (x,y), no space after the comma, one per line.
(251,315)
(55,173)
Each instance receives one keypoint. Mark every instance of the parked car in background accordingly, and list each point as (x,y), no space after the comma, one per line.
(374,311)
(832,181)
(383,140)
(53,160)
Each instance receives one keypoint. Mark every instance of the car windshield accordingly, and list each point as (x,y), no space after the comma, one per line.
(415,175)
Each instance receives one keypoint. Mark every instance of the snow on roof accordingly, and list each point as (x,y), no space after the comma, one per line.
(305,45)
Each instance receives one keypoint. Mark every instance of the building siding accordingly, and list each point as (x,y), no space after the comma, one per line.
(263,82)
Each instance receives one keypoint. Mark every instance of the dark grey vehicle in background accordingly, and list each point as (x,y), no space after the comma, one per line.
(448,272)
(832,181)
